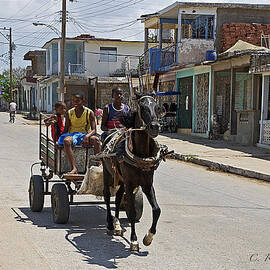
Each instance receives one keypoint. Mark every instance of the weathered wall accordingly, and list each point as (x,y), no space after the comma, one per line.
(251,33)
(41,64)
(236,15)
(202,102)
(191,51)
(222,88)
(104,93)
(72,89)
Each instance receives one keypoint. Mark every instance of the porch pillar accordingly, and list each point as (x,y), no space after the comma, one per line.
(210,102)
(194,104)
(179,34)
(264,109)
(146,33)
(160,35)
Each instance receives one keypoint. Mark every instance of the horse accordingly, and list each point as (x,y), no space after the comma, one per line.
(135,166)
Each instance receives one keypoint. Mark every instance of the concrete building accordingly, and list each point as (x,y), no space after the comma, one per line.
(87,58)
(199,32)
(28,93)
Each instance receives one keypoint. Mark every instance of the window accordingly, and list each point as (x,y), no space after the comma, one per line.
(197,26)
(108,54)
(48,59)
(49,95)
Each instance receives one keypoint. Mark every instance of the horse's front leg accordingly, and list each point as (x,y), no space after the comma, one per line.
(107,178)
(116,223)
(147,240)
(134,246)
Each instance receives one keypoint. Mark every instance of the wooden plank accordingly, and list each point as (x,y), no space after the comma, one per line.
(75,177)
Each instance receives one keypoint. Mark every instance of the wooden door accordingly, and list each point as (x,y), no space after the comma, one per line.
(185,102)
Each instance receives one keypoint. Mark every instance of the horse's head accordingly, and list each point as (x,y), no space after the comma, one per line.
(149,112)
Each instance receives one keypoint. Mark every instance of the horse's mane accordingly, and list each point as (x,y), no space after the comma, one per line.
(128,119)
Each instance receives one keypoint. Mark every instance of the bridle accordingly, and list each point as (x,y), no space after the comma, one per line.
(144,125)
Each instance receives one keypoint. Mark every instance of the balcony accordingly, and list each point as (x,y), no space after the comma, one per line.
(76,69)
(161,59)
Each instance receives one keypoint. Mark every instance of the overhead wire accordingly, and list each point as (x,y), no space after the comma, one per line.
(115,8)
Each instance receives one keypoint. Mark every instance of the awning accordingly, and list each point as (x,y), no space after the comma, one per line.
(168,93)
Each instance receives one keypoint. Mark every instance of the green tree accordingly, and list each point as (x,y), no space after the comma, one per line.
(6,97)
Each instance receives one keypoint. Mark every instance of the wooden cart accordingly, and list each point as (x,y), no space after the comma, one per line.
(54,180)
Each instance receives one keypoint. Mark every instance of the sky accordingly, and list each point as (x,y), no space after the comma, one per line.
(101,18)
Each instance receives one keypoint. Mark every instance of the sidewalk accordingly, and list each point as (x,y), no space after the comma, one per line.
(248,161)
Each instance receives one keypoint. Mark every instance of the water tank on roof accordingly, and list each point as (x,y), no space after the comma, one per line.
(211,55)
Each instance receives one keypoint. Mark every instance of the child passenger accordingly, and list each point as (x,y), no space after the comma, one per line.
(56,120)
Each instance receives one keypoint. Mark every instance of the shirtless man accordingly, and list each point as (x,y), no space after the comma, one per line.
(80,129)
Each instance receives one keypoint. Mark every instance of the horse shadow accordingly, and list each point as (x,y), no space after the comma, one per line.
(86,232)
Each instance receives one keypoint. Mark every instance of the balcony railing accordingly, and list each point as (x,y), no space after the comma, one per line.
(76,69)
(161,59)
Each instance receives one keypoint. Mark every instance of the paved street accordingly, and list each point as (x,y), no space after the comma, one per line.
(209,220)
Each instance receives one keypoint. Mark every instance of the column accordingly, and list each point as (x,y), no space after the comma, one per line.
(264,109)
(179,34)
(146,33)
(160,35)
(210,102)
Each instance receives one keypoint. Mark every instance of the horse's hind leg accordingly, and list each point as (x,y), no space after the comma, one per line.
(107,178)
(119,195)
(134,246)
(147,240)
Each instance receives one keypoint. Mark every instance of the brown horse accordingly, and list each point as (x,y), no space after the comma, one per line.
(135,164)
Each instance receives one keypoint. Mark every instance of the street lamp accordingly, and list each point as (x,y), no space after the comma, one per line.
(55,30)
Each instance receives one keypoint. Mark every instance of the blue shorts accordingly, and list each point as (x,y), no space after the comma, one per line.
(77,138)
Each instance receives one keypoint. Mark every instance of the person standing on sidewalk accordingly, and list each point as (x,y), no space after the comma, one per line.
(12,109)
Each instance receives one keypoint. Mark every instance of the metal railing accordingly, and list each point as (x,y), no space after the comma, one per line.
(154,59)
(76,69)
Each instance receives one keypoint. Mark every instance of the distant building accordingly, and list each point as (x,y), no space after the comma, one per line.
(86,58)
(209,59)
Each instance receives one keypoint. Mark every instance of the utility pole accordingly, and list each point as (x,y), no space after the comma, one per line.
(10,64)
(10,58)
(63,48)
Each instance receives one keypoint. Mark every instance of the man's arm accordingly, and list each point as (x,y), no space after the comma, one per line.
(92,122)
(67,124)
(104,119)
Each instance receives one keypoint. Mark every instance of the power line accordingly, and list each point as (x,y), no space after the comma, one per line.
(115,8)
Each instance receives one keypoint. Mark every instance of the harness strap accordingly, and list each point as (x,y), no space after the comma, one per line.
(87,119)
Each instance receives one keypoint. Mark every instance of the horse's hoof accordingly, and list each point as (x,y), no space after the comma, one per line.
(134,246)
(110,232)
(117,227)
(148,238)
(118,232)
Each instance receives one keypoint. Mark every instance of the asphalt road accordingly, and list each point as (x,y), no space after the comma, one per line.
(209,220)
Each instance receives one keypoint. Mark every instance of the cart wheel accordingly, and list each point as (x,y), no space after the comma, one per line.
(60,203)
(36,193)
(138,204)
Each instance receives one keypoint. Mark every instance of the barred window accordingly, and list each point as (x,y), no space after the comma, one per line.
(108,54)
(198,26)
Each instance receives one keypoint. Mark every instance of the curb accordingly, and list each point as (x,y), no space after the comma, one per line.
(215,166)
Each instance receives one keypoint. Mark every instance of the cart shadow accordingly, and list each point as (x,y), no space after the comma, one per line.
(86,231)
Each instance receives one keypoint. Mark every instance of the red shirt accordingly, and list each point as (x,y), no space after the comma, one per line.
(58,128)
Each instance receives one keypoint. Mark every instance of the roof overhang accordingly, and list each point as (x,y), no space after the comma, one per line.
(171,11)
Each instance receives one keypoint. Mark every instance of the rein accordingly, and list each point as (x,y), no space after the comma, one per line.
(145,164)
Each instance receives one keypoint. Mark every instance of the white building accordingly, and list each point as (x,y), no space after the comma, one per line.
(86,57)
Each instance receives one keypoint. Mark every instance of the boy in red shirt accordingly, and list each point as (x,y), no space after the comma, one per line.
(56,120)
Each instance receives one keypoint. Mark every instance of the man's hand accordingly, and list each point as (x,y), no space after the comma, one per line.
(85,142)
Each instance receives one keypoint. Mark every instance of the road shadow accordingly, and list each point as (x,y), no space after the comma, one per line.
(86,231)
(221,144)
